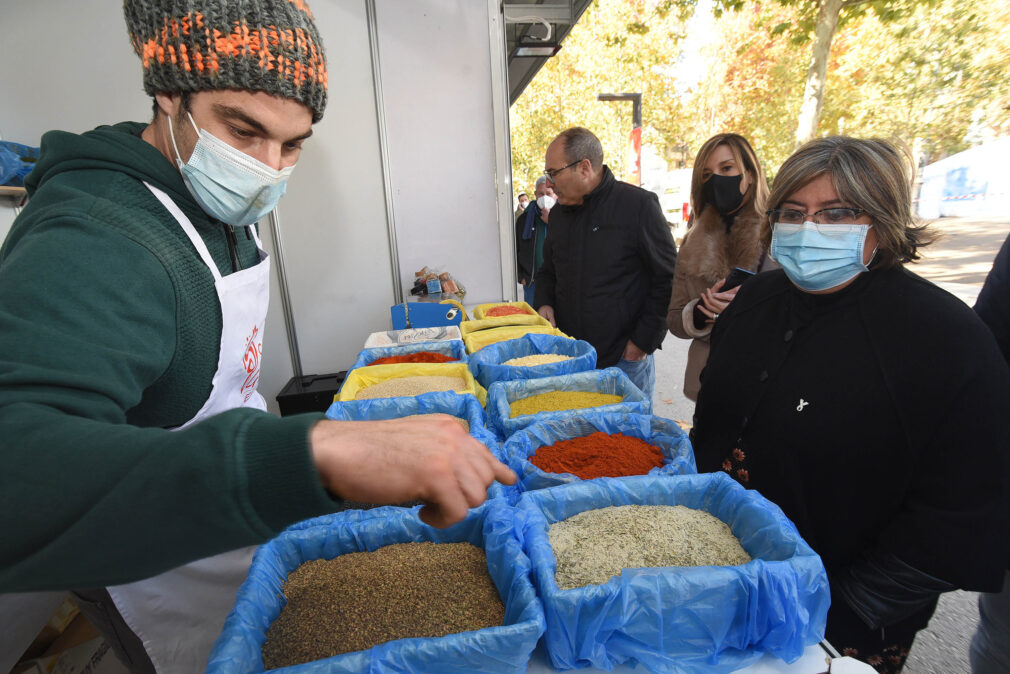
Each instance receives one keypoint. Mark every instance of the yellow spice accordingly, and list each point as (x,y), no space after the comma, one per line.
(554,401)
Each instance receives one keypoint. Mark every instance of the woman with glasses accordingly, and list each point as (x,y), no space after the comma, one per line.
(869,404)
(728,193)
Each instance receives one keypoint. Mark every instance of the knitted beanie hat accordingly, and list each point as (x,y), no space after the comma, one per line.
(252,45)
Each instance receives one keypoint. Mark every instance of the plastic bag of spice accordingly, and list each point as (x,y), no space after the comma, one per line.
(678,457)
(612,381)
(449,347)
(490,527)
(680,619)
(487,365)
(416,373)
(465,407)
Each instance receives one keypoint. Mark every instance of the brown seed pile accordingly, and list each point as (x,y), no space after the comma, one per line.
(411,386)
(554,401)
(536,359)
(594,545)
(361,599)
(462,422)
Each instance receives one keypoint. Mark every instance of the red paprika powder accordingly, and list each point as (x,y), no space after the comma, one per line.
(419,357)
(504,310)
(599,455)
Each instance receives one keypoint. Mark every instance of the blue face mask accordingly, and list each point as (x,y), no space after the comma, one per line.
(227,183)
(819,257)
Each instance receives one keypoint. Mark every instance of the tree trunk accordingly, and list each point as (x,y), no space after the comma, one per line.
(813,94)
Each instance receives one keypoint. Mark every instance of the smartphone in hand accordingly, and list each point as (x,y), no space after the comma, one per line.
(736,277)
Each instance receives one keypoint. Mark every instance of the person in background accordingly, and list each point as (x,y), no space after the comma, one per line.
(728,193)
(524,201)
(990,646)
(531,230)
(867,403)
(608,259)
(137,461)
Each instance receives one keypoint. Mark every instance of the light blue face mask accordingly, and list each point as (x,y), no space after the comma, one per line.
(819,257)
(227,183)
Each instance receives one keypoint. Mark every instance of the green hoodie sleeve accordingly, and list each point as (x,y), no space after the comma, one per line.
(87,325)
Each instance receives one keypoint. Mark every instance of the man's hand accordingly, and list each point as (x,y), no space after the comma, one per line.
(547,311)
(433,460)
(632,352)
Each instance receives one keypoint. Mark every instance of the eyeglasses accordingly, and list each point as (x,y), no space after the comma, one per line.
(826,216)
(550,173)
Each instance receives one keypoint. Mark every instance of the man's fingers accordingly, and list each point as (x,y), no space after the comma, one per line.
(502,473)
(445,507)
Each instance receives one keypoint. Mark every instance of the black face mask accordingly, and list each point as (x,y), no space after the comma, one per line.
(723,192)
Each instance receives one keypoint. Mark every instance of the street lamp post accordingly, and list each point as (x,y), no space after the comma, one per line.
(635,138)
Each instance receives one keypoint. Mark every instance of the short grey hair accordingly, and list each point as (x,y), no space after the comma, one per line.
(540,181)
(871,174)
(580,143)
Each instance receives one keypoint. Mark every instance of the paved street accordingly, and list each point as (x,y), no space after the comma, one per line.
(958,262)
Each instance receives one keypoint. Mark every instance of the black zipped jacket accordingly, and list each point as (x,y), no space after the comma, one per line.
(608,269)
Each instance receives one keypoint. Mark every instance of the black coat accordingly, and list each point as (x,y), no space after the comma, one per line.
(608,269)
(526,248)
(875,417)
(993,303)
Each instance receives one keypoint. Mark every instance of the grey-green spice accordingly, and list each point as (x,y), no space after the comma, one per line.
(411,386)
(361,599)
(595,545)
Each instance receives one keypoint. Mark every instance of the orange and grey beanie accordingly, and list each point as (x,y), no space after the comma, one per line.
(255,45)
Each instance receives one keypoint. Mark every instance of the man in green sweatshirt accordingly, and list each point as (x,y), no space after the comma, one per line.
(132,302)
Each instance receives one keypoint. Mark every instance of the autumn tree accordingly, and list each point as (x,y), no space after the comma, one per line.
(821,19)
(616,47)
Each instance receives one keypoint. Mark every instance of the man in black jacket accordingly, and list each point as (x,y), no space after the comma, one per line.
(531,231)
(608,259)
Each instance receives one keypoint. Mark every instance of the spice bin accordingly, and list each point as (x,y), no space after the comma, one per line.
(465,407)
(487,365)
(477,340)
(449,347)
(364,377)
(612,381)
(680,619)
(491,527)
(480,311)
(678,456)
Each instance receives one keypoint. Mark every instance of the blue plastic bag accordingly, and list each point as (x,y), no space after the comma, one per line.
(465,407)
(680,619)
(506,648)
(613,381)
(450,347)
(16,162)
(678,456)
(486,364)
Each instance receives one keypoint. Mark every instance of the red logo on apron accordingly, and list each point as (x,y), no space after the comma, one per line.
(251,363)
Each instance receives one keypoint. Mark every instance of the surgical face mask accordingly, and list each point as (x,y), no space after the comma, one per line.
(546,202)
(227,183)
(723,192)
(819,257)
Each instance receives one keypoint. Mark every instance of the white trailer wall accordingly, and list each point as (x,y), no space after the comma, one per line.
(413,149)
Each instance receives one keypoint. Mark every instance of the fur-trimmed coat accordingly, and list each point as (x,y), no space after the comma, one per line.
(707,255)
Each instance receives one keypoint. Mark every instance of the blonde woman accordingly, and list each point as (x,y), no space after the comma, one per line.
(728,193)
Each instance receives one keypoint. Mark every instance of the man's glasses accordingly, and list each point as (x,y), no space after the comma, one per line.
(826,216)
(550,173)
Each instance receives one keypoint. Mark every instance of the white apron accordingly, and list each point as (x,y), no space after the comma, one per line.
(180,613)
